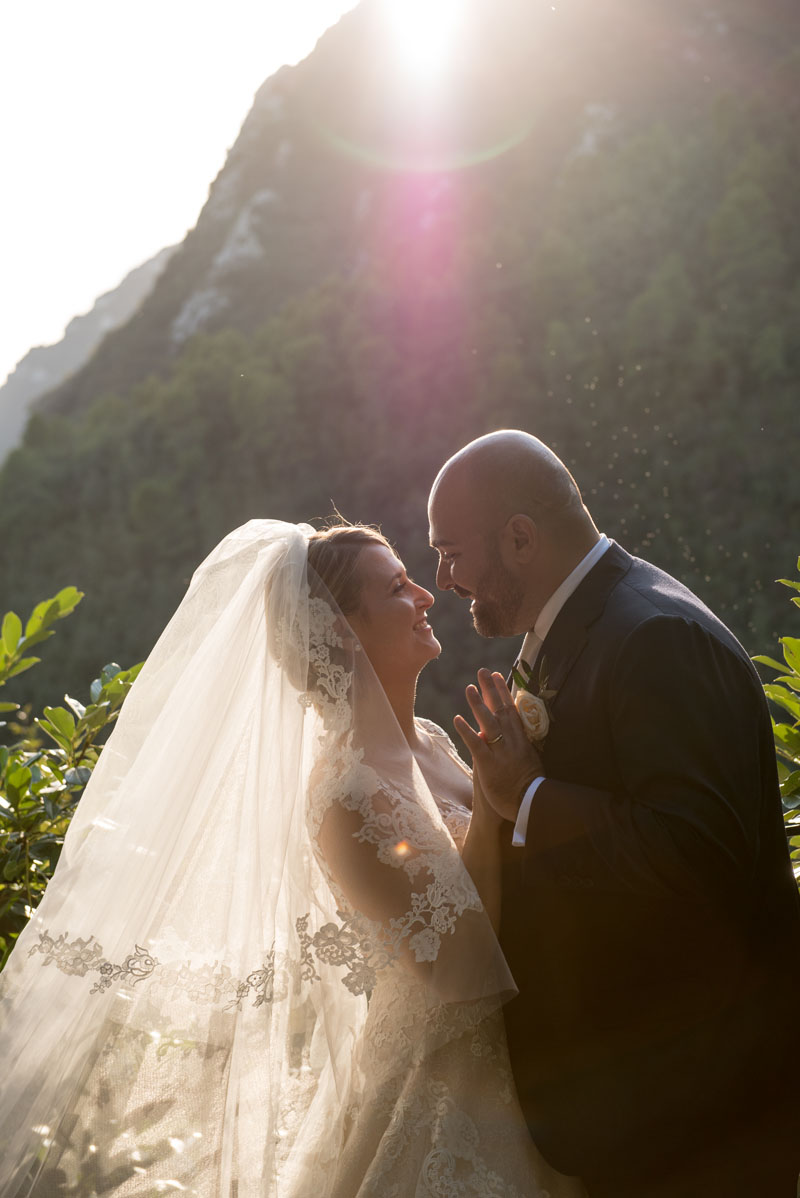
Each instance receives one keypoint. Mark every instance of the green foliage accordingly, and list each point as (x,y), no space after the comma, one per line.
(45,768)
(784,693)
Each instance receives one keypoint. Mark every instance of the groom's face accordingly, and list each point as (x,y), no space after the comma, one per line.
(471,564)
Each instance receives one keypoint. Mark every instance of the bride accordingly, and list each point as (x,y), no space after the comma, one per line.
(266,964)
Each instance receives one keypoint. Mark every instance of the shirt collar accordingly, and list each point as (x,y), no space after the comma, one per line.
(560,596)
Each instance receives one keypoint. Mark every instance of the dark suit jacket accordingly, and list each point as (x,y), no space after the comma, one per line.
(651,922)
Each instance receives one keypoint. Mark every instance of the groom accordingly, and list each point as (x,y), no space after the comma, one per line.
(650,916)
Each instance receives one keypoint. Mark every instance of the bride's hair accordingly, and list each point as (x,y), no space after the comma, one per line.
(334,553)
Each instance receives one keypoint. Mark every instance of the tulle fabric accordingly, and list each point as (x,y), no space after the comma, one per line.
(255,853)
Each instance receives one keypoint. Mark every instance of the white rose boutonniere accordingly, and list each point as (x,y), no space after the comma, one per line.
(534,715)
(532,701)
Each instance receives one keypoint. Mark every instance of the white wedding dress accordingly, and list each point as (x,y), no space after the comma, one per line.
(448,1123)
(261,969)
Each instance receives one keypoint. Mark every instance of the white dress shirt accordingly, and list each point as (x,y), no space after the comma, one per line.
(530,648)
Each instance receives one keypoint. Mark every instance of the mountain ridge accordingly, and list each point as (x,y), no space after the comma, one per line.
(46,366)
(270,227)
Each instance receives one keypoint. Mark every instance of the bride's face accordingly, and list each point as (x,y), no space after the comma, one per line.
(391,622)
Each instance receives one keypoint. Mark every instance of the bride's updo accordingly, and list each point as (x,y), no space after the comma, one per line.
(333,554)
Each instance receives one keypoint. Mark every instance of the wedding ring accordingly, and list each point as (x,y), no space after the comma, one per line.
(495,740)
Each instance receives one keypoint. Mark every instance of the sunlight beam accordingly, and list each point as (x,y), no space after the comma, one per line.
(423,33)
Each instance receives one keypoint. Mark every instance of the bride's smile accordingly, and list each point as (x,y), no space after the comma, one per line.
(391,621)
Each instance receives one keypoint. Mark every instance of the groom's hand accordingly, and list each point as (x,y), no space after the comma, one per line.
(502,756)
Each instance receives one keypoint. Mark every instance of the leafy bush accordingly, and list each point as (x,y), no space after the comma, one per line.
(784,691)
(45,768)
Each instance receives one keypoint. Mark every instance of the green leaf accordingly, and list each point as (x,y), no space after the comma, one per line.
(792,680)
(68,599)
(50,806)
(519,682)
(784,698)
(9,706)
(13,866)
(24,664)
(78,776)
(789,582)
(791,651)
(790,785)
(111,670)
(57,767)
(17,785)
(63,742)
(19,777)
(8,904)
(115,689)
(78,708)
(769,661)
(12,631)
(61,719)
(95,718)
(48,847)
(43,614)
(788,739)
(35,638)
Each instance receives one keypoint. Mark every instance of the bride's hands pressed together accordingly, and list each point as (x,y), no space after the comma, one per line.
(503,759)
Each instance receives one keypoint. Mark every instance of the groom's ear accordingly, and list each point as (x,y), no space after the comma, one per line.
(524,537)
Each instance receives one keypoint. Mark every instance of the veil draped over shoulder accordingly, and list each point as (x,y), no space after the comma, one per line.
(256,853)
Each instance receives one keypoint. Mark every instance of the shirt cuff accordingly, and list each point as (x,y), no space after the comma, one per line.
(523,815)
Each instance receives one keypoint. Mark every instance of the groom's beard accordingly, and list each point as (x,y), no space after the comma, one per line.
(501,595)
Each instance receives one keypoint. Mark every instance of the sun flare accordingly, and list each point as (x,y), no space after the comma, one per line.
(422,33)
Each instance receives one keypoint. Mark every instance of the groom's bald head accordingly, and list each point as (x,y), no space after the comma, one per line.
(508,521)
(509,472)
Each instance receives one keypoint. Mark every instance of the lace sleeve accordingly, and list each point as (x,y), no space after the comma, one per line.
(392,865)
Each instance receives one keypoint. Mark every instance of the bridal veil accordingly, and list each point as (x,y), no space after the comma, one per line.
(183,1012)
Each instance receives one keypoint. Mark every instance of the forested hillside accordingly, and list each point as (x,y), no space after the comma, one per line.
(611,261)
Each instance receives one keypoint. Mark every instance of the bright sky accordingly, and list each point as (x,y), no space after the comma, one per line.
(116,117)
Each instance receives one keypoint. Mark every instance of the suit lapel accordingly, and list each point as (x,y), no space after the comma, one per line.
(567,637)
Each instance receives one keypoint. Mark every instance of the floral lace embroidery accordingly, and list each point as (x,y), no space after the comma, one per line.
(392,818)
(455,1161)
(261,982)
(348,945)
(80,957)
(353,946)
(307,971)
(332,679)
(453,1164)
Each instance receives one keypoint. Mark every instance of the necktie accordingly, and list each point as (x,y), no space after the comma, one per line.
(523,666)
